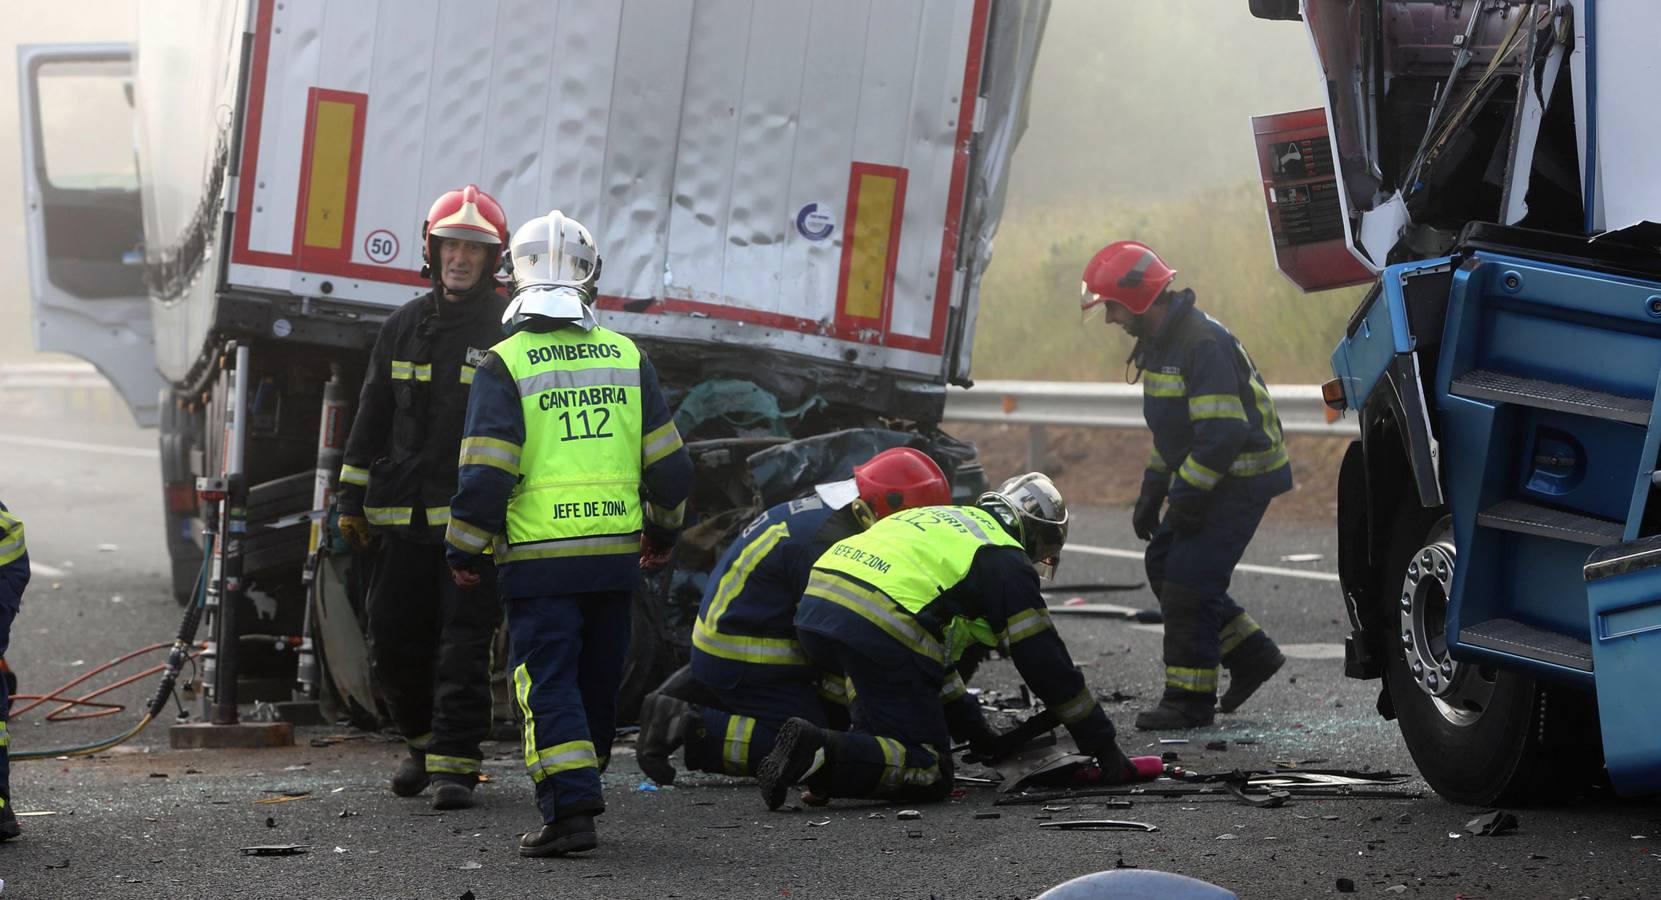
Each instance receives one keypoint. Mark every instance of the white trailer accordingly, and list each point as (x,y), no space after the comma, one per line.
(797,193)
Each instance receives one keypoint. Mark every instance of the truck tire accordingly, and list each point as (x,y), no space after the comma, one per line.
(1491,736)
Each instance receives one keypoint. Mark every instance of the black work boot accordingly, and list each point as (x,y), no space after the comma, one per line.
(9,827)
(798,743)
(664,723)
(1171,715)
(450,794)
(411,777)
(571,834)
(1247,676)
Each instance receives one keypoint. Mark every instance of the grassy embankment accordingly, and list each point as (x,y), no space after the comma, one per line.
(1218,242)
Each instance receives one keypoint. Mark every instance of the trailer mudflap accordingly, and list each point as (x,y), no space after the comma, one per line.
(1623,592)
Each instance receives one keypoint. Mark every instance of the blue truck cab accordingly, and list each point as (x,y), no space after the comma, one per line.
(1500,517)
(1499,520)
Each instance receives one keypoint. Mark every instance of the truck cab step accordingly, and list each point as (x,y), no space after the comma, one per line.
(1528,518)
(1530,642)
(1485,384)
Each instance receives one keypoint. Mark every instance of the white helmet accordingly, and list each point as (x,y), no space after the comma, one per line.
(555,267)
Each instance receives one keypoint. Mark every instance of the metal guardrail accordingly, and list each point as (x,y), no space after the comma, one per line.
(49,376)
(1041,405)
(1037,404)
(1086,404)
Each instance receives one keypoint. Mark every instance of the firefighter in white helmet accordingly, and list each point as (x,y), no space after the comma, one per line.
(573,474)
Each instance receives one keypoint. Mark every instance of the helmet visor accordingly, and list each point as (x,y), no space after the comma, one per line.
(1046,567)
(572,262)
(1092,305)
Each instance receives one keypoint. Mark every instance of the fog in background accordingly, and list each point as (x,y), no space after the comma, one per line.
(36,22)
(1132,100)
(1135,99)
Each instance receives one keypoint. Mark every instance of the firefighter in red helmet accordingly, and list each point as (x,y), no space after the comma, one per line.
(429,639)
(747,674)
(1218,458)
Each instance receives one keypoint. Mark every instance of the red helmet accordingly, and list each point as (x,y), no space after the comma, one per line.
(900,478)
(1128,273)
(469,214)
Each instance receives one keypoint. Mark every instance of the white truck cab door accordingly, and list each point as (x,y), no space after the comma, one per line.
(83,216)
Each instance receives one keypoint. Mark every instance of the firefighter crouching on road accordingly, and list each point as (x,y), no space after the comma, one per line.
(1218,458)
(744,648)
(429,641)
(573,472)
(14,577)
(894,607)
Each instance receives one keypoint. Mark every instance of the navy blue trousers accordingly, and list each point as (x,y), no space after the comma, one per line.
(755,700)
(1190,575)
(567,656)
(900,748)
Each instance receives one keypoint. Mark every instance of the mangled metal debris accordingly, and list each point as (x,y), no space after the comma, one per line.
(1491,824)
(1099,825)
(275,849)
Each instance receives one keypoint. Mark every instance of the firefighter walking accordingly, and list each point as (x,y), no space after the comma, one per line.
(429,639)
(1218,460)
(744,647)
(895,607)
(572,472)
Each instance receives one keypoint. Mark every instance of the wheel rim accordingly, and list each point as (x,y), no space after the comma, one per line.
(1459,691)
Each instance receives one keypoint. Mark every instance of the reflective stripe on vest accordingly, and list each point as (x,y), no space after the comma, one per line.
(11,538)
(706,631)
(579,487)
(916,554)
(911,558)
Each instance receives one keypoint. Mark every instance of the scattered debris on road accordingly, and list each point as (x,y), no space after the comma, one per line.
(284,797)
(1491,824)
(1099,825)
(909,814)
(268,850)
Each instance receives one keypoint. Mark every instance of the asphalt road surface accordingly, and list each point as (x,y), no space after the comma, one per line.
(146,821)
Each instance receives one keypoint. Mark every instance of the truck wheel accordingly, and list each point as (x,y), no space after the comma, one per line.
(1479,735)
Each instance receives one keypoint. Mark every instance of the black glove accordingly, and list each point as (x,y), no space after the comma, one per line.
(989,746)
(1187,512)
(1144,520)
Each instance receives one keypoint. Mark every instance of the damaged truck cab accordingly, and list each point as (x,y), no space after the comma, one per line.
(1494,163)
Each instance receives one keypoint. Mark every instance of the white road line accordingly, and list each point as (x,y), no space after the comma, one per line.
(1243,567)
(36,568)
(54,444)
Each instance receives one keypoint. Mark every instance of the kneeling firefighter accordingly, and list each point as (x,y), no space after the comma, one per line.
(429,641)
(1213,421)
(895,607)
(744,648)
(573,473)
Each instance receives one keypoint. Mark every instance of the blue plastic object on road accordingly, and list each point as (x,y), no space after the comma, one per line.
(1136,884)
